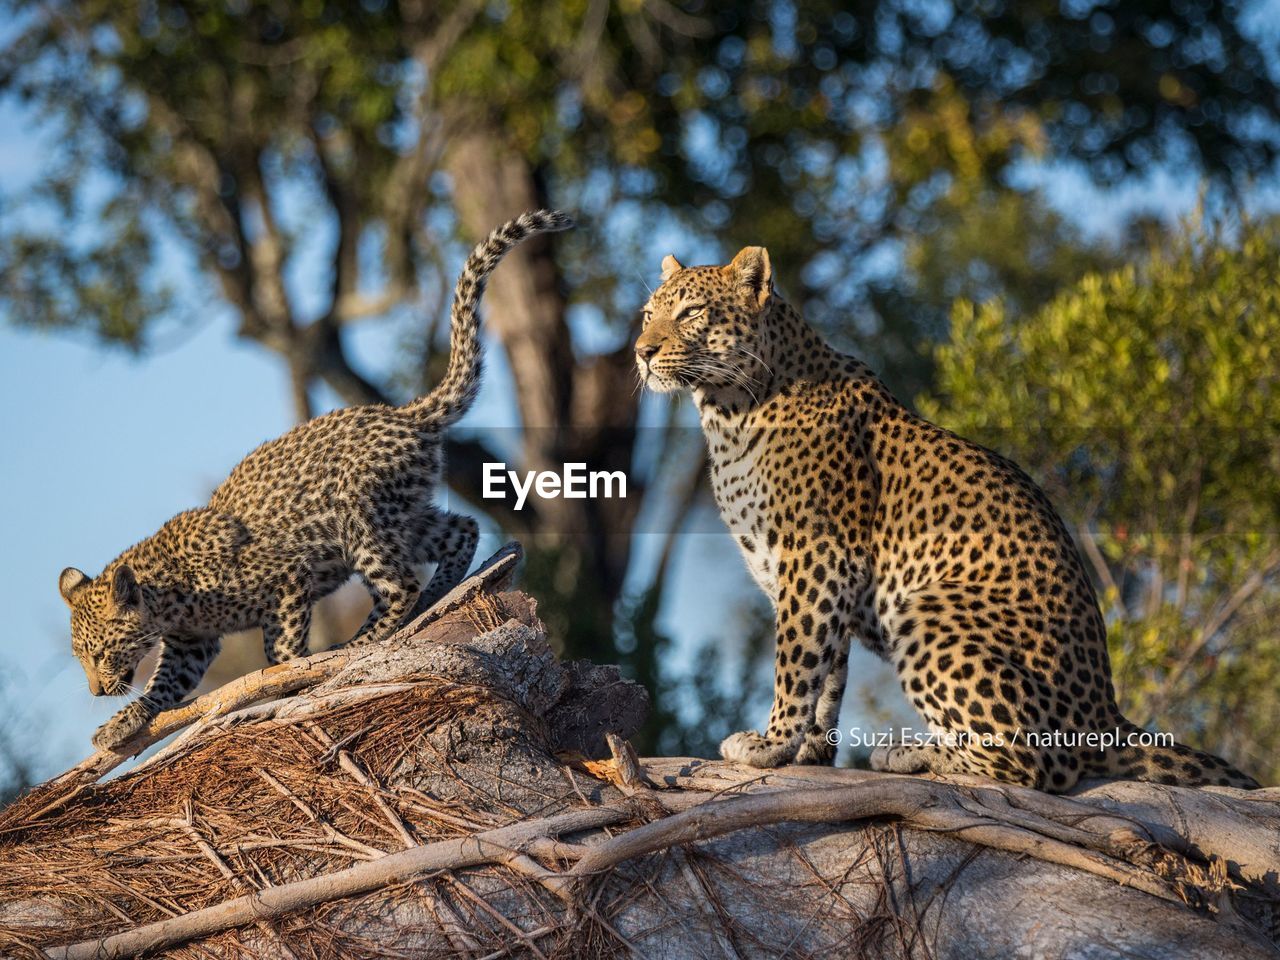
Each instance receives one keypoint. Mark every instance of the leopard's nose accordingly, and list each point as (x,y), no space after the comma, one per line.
(647,351)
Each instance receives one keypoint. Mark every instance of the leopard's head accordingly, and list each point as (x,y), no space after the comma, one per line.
(111,630)
(704,326)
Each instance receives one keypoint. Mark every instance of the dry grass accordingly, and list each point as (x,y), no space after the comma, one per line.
(252,806)
(276,801)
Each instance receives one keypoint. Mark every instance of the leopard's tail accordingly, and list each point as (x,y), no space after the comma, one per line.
(446,404)
(1175,763)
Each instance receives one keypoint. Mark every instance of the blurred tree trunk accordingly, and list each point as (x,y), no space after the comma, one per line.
(491,184)
(571,409)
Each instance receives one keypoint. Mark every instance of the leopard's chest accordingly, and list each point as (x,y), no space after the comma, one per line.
(744,490)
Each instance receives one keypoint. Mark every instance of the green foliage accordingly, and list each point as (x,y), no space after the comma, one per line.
(842,136)
(1147,400)
(998,244)
(176,122)
(101,286)
(819,129)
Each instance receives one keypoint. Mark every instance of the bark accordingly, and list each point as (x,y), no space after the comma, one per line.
(458,791)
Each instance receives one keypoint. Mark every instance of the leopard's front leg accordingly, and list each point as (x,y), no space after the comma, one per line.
(812,619)
(183,661)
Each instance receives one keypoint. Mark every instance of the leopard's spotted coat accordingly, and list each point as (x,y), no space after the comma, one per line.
(859,519)
(351,492)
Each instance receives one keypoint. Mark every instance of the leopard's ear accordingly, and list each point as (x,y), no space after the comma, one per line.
(670,265)
(752,270)
(124,588)
(69,581)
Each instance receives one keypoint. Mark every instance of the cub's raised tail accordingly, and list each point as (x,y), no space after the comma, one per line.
(446,404)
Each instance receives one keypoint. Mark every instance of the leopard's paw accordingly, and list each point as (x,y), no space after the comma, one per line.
(899,758)
(816,750)
(123,727)
(756,750)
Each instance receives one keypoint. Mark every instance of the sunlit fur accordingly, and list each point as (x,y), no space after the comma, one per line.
(351,493)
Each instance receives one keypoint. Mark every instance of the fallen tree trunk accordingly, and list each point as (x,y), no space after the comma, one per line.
(457,791)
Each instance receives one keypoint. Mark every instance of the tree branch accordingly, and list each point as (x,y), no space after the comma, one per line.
(491,846)
(1053,831)
(918,803)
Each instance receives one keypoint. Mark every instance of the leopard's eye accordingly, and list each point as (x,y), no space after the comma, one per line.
(691,313)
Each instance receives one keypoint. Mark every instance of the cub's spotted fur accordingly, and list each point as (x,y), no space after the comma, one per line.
(347,493)
(859,519)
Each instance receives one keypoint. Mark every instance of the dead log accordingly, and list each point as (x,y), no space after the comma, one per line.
(458,791)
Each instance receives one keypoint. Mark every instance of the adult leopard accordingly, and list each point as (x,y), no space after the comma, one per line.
(858,518)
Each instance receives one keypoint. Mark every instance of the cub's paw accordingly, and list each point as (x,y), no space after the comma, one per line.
(123,727)
(756,750)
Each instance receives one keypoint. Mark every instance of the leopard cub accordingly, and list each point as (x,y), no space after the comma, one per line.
(347,493)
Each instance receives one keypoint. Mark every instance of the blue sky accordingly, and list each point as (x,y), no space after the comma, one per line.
(102,447)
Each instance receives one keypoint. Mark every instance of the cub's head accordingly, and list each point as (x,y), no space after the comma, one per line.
(703,326)
(110,628)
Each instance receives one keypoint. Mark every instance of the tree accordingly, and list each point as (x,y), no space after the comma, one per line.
(457,791)
(235,132)
(1146,400)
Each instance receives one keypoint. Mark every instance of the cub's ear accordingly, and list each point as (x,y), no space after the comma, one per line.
(69,581)
(124,588)
(753,271)
(670,265)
